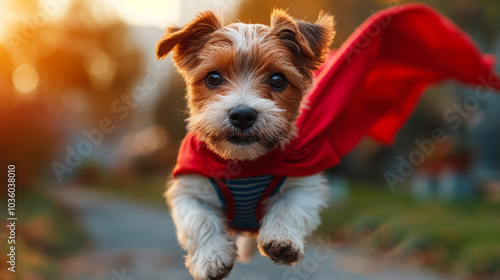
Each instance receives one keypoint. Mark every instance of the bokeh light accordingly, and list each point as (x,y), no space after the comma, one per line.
(25,78)
(100,67)
(144,141)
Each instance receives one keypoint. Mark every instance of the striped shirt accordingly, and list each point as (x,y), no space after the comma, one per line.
(246,193)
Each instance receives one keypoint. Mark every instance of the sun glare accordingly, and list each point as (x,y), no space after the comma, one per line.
(157,13)
(3,21)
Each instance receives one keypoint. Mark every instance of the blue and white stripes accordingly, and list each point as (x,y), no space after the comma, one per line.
(246,193)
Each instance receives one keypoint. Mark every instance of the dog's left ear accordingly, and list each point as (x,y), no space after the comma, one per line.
(185,42)
(309,42)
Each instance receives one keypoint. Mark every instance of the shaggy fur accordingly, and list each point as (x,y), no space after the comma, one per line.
(246,56)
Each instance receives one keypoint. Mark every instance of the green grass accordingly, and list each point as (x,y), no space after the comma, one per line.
(64,235)
(440,235)
(46,233)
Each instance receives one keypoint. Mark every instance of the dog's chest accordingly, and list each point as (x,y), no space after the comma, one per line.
(243,198)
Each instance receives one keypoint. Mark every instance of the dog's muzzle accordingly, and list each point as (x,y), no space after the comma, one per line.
(242,117)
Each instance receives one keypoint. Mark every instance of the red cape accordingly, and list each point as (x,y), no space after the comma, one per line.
(370,86)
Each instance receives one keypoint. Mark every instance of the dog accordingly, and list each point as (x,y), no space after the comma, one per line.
(245,89)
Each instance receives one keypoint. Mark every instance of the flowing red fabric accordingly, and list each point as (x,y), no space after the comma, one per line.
(370,86)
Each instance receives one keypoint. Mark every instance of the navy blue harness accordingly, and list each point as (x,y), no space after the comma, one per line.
(243,198)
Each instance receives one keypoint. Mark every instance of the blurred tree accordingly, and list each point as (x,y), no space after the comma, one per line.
(61,67)
(170,113)
(85,59)
(348,14)
(7,94)
(478,17)
(28,139)
(96,56)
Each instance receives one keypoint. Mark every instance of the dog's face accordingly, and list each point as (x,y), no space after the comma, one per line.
(246,82)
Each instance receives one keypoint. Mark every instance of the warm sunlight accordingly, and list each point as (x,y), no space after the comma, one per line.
(157,13)
(118,165)
(3,15)
(25,78)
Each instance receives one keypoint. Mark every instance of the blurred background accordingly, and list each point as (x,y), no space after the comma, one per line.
(93,122)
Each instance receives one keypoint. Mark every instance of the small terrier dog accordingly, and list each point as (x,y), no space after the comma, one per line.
(245,89)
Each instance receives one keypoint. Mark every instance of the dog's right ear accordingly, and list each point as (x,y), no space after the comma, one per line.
(307,41)
(187,41)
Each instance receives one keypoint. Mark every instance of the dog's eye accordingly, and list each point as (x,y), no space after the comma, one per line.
(278,81)
(213,79)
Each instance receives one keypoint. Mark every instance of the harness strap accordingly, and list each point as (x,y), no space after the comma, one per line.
(259,212)
(230,209)
(228,197)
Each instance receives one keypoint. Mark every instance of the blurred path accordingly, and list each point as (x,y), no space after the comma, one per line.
(137,242)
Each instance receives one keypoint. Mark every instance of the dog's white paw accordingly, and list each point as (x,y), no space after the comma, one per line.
(212,261)
(281,251)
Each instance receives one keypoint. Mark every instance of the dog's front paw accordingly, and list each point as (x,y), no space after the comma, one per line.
(212,263)
(282,252)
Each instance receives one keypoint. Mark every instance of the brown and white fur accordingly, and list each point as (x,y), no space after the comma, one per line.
(245,56)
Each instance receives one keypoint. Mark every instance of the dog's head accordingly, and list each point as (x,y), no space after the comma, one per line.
(246,82)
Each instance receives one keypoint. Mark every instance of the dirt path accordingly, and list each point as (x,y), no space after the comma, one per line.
(137,242)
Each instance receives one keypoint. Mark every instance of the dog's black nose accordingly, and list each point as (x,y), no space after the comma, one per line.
(242,117)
